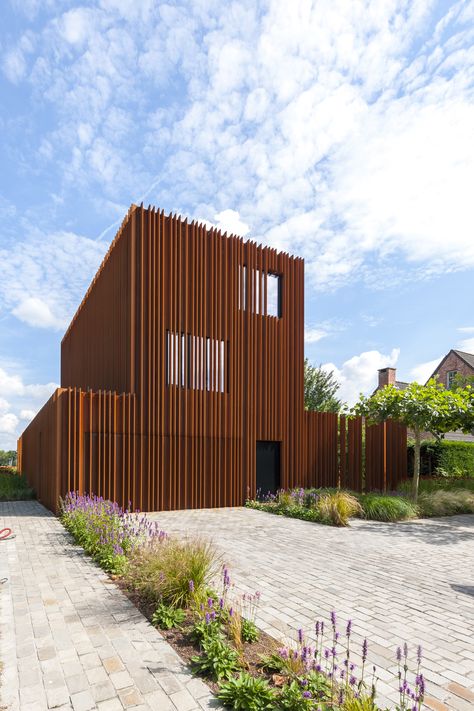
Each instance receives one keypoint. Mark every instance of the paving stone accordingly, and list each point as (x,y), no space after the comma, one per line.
(113,664)
(103,690)
(82,701)
(130,697)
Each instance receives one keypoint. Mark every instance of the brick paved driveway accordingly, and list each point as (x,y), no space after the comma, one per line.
(410,581)
(69,639)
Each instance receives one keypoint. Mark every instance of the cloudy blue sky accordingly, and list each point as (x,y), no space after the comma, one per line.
(340,130)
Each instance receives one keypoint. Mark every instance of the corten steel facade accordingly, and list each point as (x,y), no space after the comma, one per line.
(182,381)
(203,334)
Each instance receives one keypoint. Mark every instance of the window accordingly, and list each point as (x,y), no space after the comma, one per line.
(450,378)
(274,295)
(265,294)
(195,362)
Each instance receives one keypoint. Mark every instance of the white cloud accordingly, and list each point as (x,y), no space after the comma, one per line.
(466,329)
(24,401)
(359,373)
(37,313)
(27,414)
(229,221)
(8,423)
(466,345)
(423,371)
(14,65)
(45,276)
(314,334)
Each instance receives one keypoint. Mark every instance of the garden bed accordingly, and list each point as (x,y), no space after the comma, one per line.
(336,507)
(173,582)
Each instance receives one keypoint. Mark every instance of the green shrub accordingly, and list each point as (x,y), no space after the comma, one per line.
(291,698)
(446,457)
(166,617)
(217,659)
(13,486)
(376,507)
(160,572)
(249,631)
(456,458)
(204,629)
(446,503)
(247,693)
(338,508)
(438,484)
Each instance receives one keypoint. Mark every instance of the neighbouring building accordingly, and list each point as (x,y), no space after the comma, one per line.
(182,381)
(454,363)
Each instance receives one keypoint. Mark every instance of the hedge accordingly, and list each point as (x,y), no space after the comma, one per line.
(444,457)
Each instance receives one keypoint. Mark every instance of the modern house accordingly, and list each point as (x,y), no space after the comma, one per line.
(182,381)
(186,354)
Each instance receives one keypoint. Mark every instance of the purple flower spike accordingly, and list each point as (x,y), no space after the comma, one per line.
(364,650)
(191,586)
(300,636)
(333,618)
(399,654)
(419,654)
(348,628)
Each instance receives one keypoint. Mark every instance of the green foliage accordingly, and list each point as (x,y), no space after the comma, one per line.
(166,617)
(320,388)
(13,486)
(423,408)
(439,484)
(247,693)
(338,508)
(291,698)
(376,507)
(364,702)
(203,630)
(446,503)
(426,408)
(8,458)
(217,659)
(162,571)
(249,631)
(456,458)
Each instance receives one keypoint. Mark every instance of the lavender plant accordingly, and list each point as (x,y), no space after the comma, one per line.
(105,530)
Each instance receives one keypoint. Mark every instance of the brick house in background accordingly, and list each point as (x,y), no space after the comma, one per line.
(453,364)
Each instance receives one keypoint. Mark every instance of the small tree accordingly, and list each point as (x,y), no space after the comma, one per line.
(320,388)
(422,408)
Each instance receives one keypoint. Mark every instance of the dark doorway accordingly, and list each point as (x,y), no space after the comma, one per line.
(268,468)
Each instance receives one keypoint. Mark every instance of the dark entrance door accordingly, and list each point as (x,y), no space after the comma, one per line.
(268,468)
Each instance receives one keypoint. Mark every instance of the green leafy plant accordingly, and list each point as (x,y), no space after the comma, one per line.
(249,631)
(295,696)
(320,388)
(203,630)
(247,693)
(166,617)
(376,507)
(217,659)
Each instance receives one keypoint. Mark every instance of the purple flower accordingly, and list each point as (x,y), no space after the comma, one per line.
(348,628)
(419,654)
(191,586)
(333,618)
(399,654)
(364,650)
(300,636)
(306,694)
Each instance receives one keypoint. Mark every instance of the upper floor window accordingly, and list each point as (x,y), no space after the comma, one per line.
(196,362)
(450,378)
(260,292)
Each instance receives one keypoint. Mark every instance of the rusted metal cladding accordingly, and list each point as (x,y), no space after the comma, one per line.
(186,351)
(206,332)
(346,452)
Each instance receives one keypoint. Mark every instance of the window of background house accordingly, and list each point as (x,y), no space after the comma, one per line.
(450,378)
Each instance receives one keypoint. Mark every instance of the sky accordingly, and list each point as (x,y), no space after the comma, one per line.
(338,130)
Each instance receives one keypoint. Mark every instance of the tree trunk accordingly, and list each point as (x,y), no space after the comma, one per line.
(416,464)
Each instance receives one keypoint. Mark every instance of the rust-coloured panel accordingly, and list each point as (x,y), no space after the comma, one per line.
(173,368)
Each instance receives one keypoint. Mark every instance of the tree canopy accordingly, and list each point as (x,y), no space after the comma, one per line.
(320,388)
(423,408)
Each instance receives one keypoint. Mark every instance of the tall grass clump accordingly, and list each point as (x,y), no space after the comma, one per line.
(13,485)
(440,483)
(377,507)
(446,503)
(160,571)
(338,508)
